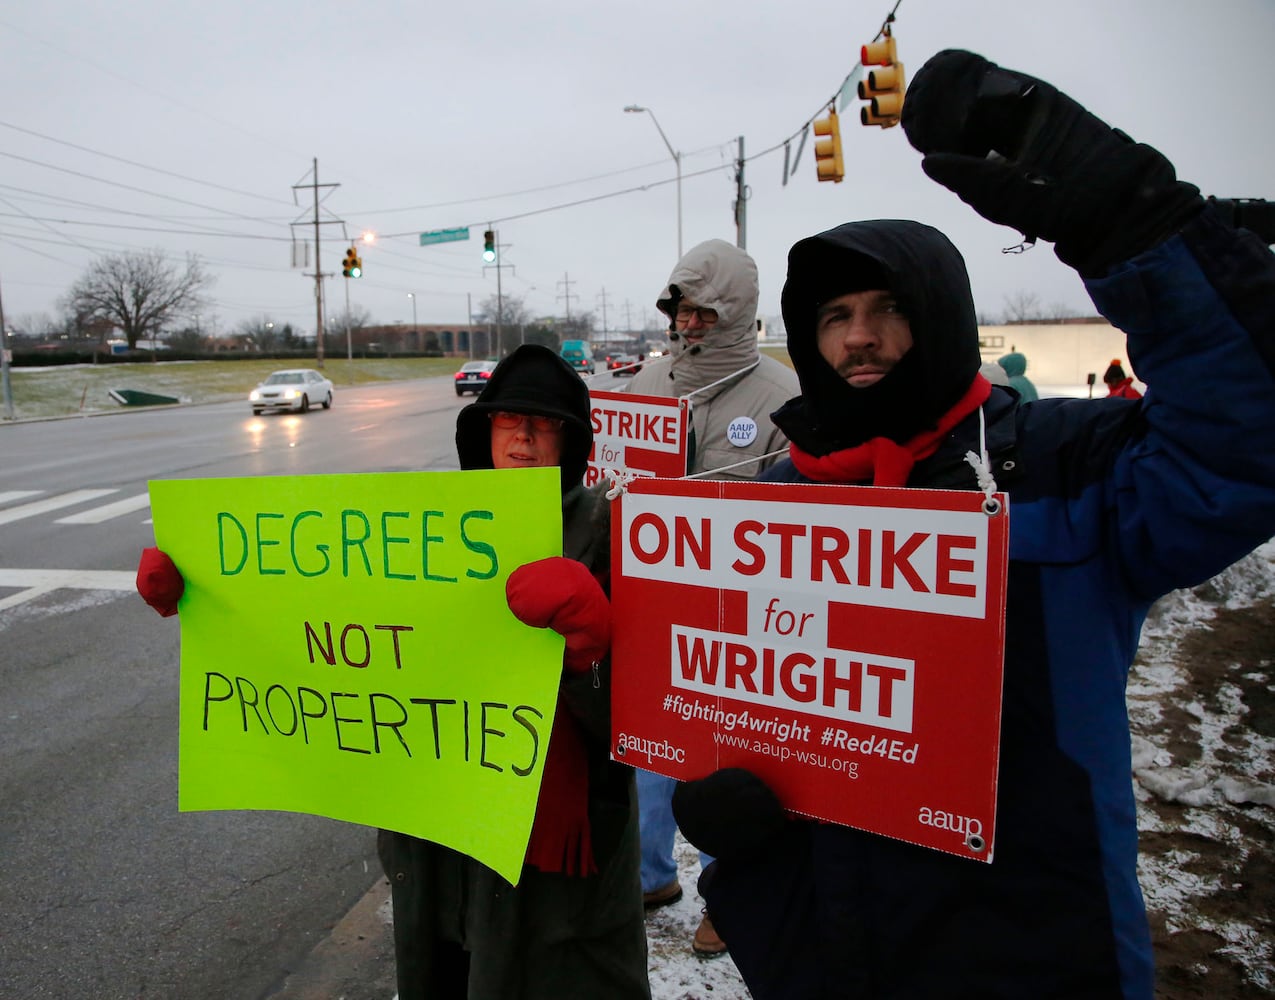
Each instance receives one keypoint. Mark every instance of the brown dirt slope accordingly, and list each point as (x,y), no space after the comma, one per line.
(1202,704)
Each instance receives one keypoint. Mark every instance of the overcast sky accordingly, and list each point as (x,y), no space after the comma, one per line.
(184,127)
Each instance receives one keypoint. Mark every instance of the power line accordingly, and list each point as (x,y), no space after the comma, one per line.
(126,187)
(141,166)
(573,204)
(146,229)
(535,190)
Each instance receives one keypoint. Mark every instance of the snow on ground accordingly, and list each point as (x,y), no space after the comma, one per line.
(677,973)
(1209,815)
(1209,805)
(1204,764)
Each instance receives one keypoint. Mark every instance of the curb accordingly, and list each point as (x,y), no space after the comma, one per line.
(355,961)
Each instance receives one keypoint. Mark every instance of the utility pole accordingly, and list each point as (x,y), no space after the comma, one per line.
(500,305)
(469,333)
(567,296)
(741,199)
(4,366)
(606,337)
(500,296)
(318,271)
(318,277)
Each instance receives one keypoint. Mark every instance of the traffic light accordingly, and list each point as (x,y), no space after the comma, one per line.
(882,88)
(828,162)
(489,246)
(352,266)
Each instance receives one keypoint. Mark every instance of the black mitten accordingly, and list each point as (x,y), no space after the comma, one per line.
(1023,154)
(731,814)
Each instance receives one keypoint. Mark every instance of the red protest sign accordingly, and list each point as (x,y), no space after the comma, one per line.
(643,435)
(843,643)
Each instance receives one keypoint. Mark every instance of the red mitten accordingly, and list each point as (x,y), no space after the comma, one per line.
(159,581)
(562,594)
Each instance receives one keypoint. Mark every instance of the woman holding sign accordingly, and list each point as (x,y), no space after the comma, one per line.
(574,924)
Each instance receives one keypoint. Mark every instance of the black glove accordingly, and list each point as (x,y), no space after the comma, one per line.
(1023,154)
(731,814)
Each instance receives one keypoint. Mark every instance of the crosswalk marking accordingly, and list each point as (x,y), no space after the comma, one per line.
(107,511)
(32,583)
(52,503)
(8,496)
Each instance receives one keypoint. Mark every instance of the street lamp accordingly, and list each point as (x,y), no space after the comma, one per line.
(677,159)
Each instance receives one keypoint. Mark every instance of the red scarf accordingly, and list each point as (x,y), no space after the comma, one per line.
(1123,389)
(882,460)
(560,836)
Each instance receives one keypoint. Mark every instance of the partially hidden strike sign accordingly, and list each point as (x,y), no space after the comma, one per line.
(843,643)
(641,435)
(347,650)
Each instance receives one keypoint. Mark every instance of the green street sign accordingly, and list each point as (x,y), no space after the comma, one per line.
(444,235)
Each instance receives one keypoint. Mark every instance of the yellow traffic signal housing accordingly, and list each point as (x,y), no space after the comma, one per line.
(883,87)
(352,266)
(828,162)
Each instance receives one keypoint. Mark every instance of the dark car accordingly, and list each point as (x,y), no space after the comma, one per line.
(624,364)
(473,376)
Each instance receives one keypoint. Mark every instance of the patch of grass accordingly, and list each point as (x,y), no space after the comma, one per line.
(64,390)
(779,354)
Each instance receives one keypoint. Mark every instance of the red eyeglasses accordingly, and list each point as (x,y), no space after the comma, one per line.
(507,421)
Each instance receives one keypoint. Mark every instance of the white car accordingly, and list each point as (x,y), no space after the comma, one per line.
(292,389)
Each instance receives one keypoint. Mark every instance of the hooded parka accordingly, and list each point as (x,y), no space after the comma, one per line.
(1015,365)
(733,387)
(461,932)
(1113,503)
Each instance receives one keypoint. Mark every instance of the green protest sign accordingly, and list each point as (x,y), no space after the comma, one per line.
(347,650)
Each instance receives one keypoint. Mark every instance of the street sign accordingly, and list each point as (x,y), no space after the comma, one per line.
(444,235)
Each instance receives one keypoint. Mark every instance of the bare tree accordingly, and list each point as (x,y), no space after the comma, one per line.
(510,316)
(578,327)
(345,327)
(188,338)
(261,333)
(33,326)
(1022,307)
(137,292)
(512,312)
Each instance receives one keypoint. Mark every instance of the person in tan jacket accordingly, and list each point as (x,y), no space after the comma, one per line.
(711,303)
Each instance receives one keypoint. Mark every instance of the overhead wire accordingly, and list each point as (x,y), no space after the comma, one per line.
(225,213)
(141,166)
(125,187)
(889,19)
(560,206)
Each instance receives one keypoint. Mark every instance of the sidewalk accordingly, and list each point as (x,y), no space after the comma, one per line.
(355,961)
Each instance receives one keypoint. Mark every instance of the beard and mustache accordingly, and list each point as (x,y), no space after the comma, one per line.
(851,363)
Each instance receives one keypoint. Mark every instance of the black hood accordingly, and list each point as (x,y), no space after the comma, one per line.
(534,380)
(926,274)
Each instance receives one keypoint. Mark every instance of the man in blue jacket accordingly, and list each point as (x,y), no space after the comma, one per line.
(1113,504)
